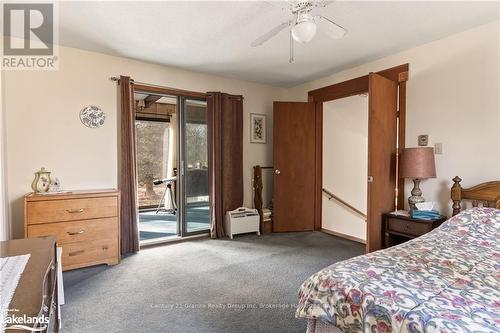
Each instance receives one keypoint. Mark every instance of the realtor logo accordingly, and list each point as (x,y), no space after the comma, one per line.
(29,36)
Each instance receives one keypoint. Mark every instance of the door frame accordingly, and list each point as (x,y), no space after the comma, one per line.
(356,86)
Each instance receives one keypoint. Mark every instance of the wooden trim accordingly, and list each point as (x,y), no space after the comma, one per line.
(396,73)
(141,87)
(356,86)
(344,89)
(318,202)
(401,143)
(403,76)
(341,235)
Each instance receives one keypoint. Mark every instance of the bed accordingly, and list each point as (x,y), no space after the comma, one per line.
(445,281)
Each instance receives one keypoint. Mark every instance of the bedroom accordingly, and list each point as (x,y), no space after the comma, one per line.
(251,282)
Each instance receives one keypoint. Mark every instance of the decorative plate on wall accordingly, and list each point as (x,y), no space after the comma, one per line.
(92,116)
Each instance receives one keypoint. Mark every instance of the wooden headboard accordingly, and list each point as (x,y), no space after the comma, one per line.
(487,193)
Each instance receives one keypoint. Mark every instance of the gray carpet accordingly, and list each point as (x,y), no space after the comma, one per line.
(202,285)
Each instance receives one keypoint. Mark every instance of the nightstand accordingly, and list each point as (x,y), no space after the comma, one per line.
(400,228)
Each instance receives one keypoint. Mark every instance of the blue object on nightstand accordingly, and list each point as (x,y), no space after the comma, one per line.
(425,214)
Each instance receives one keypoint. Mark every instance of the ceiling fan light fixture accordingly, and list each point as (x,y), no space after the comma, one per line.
(305,29)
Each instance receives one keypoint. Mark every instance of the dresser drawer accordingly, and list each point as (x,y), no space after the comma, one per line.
(38,212)
(76,231)
(90,252)
(411,228)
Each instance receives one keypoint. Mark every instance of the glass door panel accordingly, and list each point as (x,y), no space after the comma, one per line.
(194,143)
(156,163)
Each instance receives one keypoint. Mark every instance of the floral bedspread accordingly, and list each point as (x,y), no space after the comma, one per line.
(445,281)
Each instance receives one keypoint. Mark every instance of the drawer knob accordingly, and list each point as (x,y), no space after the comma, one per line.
(74,211)
(75,253)
(75,233)
(104,247)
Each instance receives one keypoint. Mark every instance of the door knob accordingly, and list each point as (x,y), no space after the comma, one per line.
(277,171)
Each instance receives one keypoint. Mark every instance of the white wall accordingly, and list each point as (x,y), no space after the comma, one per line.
(345,164)
(4,225)
(43,128)
(452,95)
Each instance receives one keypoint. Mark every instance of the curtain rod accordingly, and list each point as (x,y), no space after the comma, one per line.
(172,91)
(117,79)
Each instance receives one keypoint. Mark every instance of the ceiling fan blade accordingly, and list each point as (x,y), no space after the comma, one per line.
(332,29)
(270,34)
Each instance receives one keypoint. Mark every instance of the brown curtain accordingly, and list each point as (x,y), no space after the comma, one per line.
(225,120)
(128,174)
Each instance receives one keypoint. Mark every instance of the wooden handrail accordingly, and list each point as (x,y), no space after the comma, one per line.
(344,203)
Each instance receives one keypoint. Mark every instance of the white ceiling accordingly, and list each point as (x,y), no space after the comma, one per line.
(215,37)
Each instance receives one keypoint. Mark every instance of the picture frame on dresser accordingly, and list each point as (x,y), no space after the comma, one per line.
(86,224)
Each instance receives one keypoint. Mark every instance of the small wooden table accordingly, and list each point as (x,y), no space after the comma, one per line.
(36,293)
(400,228)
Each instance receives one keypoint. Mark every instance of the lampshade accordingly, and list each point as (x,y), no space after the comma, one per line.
(305,29)
(417,163)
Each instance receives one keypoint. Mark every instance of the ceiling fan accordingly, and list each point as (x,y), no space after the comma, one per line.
(303,25)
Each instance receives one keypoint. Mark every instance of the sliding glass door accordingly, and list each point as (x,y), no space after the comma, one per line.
(193,166)
(172,166)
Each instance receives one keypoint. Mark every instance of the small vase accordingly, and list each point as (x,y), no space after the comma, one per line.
(41,182)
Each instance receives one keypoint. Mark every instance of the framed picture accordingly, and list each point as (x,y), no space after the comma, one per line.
(257,128)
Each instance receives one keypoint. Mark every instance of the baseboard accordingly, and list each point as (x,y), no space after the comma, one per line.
(341,235)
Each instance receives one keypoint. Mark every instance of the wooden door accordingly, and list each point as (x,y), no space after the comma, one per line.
(382,145)
(294,134)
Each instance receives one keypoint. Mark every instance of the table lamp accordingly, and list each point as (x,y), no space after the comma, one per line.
(417,164)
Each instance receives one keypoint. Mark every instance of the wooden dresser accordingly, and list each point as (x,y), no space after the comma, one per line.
(86,224)
(36,294)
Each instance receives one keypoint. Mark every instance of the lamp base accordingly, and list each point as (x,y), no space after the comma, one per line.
(416,195)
